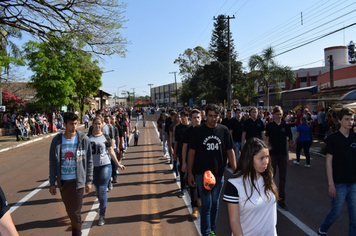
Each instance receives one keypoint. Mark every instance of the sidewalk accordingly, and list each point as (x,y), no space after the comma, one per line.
(9,142)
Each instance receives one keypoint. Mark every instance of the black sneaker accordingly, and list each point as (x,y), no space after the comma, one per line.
(114,179)
(321,233)
(101,221)
(282,205)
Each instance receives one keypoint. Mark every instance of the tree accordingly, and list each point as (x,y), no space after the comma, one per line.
(9,50)
(93,25)
(352,52)
(205,72)
(244,91)
(88,81)
(12,100)
(266,71)
(218,71)
(190,61)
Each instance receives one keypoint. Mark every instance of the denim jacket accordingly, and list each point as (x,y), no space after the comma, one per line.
(84,161)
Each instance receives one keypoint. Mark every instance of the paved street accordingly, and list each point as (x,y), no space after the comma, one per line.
(144,201)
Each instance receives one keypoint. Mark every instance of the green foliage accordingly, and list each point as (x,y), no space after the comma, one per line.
(93,25)
(61,73)
(205,72)
(245,90)
(265,71)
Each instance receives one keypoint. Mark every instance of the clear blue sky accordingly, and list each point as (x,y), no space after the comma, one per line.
(160,30)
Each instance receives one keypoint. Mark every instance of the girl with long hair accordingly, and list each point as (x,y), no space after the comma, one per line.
(101,148)
(251,193)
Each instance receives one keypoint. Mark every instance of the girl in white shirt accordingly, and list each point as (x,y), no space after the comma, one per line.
(251,194)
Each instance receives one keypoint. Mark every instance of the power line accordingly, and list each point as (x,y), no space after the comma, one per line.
(291,28)
(292,38)
(316,39)
(208,24)
(278,27)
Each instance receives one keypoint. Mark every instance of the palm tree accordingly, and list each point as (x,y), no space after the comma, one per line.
(266,71)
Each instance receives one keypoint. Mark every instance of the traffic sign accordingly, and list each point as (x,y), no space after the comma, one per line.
(236,102)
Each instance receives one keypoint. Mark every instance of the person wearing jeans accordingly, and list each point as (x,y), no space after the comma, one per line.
(208,145)
(102,151)
(340,170)
(209,204)
(71,166)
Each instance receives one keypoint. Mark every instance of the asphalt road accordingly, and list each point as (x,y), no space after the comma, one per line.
(145,201)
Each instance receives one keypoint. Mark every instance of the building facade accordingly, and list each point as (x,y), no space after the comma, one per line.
(313,86)
(165,95)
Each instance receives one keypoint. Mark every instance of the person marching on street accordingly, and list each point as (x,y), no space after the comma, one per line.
(71,166)
(252,127)
(102,153)
(195,119)
(251,194)
(178,144)
(236,132)
(340,170)
(207,148)
(136,133)
(277,133)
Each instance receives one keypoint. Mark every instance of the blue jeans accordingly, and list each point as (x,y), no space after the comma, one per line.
(102,174)
(237,150)
(44,128)
(26,130)
(209,205)
(164,145)
(9,128)
(86,124)
(137,118)
(343,192)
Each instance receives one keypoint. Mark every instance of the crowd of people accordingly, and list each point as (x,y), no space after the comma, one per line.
(255,144)
(200,143)
(28,125)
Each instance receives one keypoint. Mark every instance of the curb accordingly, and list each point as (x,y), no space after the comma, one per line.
(31,141)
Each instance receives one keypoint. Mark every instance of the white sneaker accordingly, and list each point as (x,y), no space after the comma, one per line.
(296,162)
(308,166)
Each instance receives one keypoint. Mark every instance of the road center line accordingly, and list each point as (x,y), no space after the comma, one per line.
(186,198)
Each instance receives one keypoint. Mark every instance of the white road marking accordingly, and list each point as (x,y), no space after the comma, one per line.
(86,226)
(186,198)
(28,196)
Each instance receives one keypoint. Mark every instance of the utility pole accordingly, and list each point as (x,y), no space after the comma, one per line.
(150,93)
(115,100)
(331,61)
(229,60)
(175,84)
(133,92)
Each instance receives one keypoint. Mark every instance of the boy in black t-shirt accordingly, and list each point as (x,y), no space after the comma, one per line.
(252,127)
(340,170)
(228,121)
(236,131)
(178,144)
(276,134)
(207,147)
(195,118)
